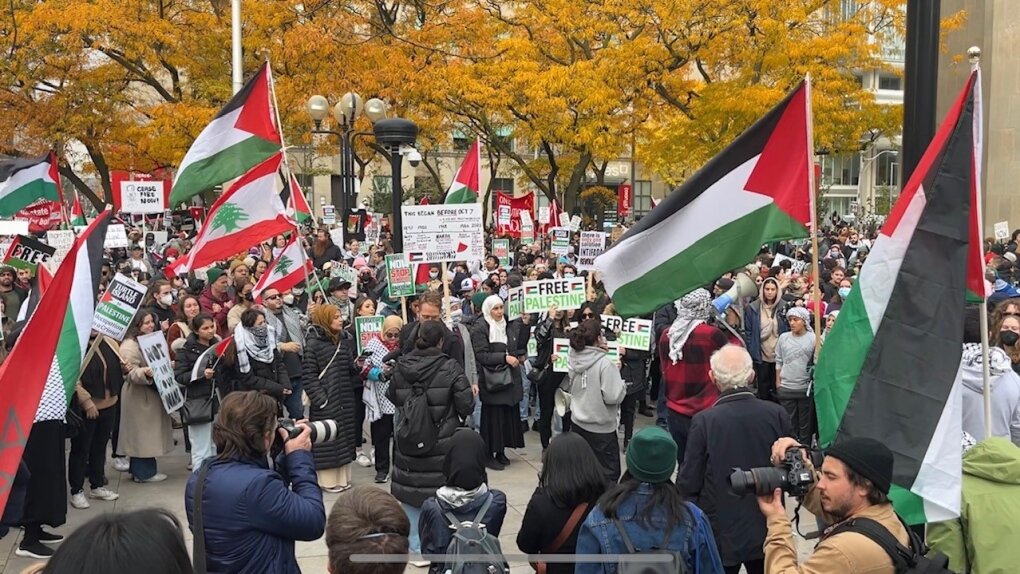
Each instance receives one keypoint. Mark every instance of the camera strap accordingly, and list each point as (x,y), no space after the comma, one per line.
(796,524)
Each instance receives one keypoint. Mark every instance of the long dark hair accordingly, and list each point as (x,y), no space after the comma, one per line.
(570,472)
(136,326)
(665,496)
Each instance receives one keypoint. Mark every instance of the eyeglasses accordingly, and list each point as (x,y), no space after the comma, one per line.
(392,335)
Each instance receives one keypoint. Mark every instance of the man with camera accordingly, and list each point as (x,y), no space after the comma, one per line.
(853,484)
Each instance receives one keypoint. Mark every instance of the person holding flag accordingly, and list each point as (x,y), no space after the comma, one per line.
(194,371)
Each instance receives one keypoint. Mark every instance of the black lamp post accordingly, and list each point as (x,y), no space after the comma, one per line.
(397,135)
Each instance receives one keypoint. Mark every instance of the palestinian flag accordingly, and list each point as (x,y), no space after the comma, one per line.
(887,369)
(294,199)
(77,215)
(249,212)
(38,377)
(757,190)
(291,267)
(464,188)
(25,181)
(240,137)
(209,358)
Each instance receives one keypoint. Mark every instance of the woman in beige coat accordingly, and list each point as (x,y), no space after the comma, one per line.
(145,429)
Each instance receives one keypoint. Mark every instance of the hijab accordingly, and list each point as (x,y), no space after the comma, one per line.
(464,464)
(323,316)
(389,323)
(692,310)
(497,329)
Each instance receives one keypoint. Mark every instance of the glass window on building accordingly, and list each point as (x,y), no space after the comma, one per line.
(461,140)
(504,184)
(887,167)
(642,197)
(382,184)
(844,170)
(305,180)
(889,82)
(505,135)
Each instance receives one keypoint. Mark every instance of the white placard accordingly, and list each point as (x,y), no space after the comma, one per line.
(575,223)
(527,228)
(592,244)
(160,238)
(328,215)
(560,240)
(61,240)
(543,215)
(116,236)
(157,358)
(437,233)
(142,197)
(1001,230)
(17,227)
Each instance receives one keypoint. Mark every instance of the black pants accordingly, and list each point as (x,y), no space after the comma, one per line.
(359,420)
(627,411)
(88,451)
(655,377)
(116,430)
(802,417)
(753,567)
(679,426)
(547,405)
(607,451)
(382,432)
(765,376)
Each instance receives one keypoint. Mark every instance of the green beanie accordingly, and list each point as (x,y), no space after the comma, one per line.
(478,299)
(651,455)
(212,274)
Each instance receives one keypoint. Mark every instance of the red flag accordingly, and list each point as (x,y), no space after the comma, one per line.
(425,201)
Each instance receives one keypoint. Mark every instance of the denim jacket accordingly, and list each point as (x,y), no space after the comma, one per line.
(599,535)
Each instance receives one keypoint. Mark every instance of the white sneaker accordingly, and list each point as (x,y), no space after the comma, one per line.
(103,493)
(420,563)
(158,477)
(363,460)
(121,464)
(372,456)
(79,501)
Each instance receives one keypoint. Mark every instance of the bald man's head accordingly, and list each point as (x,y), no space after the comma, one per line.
(731,367)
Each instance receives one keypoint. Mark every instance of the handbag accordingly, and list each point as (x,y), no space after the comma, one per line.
(561,538)
(496,380)
(198,410)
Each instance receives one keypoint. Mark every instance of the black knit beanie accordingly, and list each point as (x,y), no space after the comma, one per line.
(868,458)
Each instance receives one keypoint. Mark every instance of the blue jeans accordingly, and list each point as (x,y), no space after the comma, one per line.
(476,416)
(202,447)
(661,408)
(295,409)
(142,468)
(413,541)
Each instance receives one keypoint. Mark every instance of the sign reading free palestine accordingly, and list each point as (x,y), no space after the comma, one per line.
(630,333)
(566,294)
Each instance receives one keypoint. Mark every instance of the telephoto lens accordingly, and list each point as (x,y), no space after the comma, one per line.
(319,431)
(793,477)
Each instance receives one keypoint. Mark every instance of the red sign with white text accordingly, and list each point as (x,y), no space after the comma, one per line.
(624,199)
(41,216)
(512,226)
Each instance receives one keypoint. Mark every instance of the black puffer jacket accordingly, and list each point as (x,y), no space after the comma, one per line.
(198,390)
(268,378)
(416,478)
(493,356)
(333,395)
(634,370)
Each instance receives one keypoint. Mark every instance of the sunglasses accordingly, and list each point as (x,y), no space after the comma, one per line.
(587,315)
(392,335)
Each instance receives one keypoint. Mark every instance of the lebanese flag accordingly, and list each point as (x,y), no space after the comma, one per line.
(757,190)
(250,212)
(77,215)
(242,135)
(297,205)
(890,369)
(291,267)
(464,188)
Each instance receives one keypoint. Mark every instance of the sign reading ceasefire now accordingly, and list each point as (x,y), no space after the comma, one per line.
(566,294)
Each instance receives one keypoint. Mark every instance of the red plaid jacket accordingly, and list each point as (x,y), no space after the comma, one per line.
(688,388)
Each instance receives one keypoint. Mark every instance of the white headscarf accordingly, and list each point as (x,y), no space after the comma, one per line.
(497,329)
(692,310)
(251,345)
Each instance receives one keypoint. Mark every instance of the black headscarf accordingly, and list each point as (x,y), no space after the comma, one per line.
(464,465)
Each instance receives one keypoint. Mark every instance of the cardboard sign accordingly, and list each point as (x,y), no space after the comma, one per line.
(566,294)
(118,306)
(1001,230)
(142,197)
(575,223)
(348,273)
(527,228)
(560,240)
(543,215)
(329,216)
(438,233)
(399,282)
(61,240)
(28,253)
(366,329)
(157,358)
(514,303)
(593,244)
(501,249)
(561,352)
(630,333)
(116,236)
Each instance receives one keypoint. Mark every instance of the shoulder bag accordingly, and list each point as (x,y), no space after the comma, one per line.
(561,538)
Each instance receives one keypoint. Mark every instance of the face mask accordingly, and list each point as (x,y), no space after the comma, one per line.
(568,275)
(167,299)
(844,292)
(1009,338)
(297,291)
(433,274)
(288,299)
(260,332)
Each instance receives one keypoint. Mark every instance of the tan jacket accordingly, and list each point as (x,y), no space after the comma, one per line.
(844,552)
(145,428)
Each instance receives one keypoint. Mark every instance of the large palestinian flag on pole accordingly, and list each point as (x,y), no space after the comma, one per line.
(291,267)
(464,188)
(25,181)
(249,212)
(757,190)
(887,369)
(240,137)
(38,377)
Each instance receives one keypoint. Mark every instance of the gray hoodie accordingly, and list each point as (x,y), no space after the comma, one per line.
(596,390)
(1005,390)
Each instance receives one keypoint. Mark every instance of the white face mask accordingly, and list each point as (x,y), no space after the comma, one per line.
(568,275)
(288,299)
(167,299)
(297,291)
(433,274)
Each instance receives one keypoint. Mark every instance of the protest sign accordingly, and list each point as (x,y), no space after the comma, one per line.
(543,215)
(347,273)
(561,352)
(630,333)
(329,215)
(510,212)
(501,249)
(157,358)
(438,233)
(1001,230)
(399,282)
(795,265)
(566,294)
(527,228)
(514,303)
(16,227)
(61,240)
(118,306)
(592,244)
(532,344)
(366,329)
(142,197)
(116,236)
(28,253)
(560,240)
(575,223)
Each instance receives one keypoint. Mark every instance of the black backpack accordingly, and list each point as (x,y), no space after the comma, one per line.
(417,433)
(914,560)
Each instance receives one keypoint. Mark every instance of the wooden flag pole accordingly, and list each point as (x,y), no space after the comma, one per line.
(447,304)
(403,309)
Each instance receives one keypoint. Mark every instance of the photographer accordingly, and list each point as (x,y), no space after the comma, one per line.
(853,483)
(248,515)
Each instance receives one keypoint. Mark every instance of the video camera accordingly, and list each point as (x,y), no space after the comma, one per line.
(793,477)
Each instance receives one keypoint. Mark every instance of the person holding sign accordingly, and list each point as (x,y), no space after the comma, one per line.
(500,386)
(194,372)
(145,428)
(554,326)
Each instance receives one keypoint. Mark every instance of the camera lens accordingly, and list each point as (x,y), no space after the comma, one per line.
(323,431)
(758,481)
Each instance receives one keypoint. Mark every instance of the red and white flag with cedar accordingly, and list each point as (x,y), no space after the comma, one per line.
(464,188)
(250,212)
(291,267)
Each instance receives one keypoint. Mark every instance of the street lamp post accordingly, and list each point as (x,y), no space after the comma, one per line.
(397,135)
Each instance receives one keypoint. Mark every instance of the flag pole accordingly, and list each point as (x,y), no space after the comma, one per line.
(816,292)
(974,55)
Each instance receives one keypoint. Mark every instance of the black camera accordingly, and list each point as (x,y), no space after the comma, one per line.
(320,431)
(793,477)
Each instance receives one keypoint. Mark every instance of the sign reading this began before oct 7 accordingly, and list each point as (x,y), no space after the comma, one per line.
(438,233)
(566,294)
